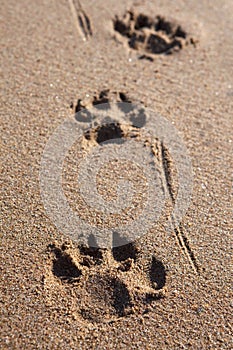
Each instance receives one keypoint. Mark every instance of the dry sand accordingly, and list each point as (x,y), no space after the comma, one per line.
(150,295)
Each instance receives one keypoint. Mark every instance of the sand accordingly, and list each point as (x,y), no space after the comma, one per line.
(155,293)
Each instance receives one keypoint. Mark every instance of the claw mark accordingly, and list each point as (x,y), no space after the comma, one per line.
(184,244)
(64,267)
(167,171)
(178,230)
(82,21)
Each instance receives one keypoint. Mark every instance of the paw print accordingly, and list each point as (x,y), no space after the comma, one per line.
(109,283)
(150,35)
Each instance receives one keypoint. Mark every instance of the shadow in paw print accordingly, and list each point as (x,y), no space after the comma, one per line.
(92,251)
(101,100)
(169,28)
(143,21)
(63,266)
(108,132)
(82,114)
(121,297)
(108,298)
(104,99)
(156,44)
(157,274)
(138,119)
(84,117)
(122,251)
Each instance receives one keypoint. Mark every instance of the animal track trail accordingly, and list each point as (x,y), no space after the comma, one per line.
(151,35)
(81,19)
(137,118)
(109,284)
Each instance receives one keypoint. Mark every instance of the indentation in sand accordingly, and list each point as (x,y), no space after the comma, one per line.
(151,35)
(108,283)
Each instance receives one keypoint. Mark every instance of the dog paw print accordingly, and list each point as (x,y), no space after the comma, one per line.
(151,35)
(109,283)
(105,99)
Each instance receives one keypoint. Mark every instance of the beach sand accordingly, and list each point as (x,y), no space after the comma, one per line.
(155,293)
